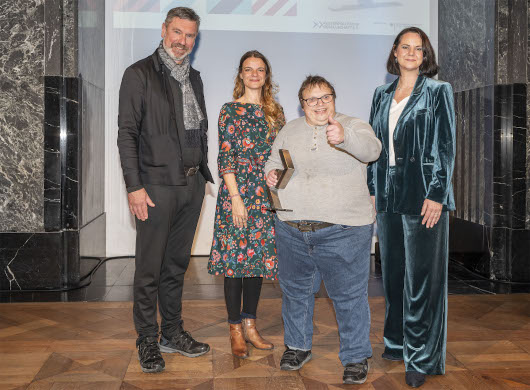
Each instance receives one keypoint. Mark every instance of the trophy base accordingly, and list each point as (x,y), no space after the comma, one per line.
(274,210)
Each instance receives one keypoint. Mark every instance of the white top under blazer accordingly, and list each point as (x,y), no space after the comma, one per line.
(395,112)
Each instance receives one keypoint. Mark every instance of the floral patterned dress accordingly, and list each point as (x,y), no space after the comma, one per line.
(243,151)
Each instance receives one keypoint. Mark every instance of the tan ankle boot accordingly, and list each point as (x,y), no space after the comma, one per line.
(237,341)
(252,335)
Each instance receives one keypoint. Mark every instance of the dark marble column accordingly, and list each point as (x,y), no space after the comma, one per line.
(483,51)
(48,125)
(21,115)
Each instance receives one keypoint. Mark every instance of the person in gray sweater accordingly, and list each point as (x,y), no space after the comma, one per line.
(327,235)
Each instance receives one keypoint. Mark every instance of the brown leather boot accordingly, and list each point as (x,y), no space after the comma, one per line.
(252,335)
(237,341)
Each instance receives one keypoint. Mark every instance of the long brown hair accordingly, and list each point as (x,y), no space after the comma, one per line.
(272,109)
(428,68)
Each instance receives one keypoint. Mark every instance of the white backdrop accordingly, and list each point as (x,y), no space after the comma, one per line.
(346,41)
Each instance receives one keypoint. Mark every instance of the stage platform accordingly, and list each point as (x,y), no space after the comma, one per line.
(90,345)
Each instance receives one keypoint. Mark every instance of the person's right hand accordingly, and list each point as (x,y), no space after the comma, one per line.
(138,201)
(272,178)
(239,212)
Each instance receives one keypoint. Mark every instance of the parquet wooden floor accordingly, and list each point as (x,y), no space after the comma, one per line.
(74,346)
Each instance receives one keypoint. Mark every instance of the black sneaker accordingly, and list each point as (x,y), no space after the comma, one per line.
(184,344)
(294,359)
(149,355)
(355,373)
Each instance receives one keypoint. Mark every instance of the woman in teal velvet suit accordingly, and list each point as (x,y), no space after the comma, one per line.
(411,187)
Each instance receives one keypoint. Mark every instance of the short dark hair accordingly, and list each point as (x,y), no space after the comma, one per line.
(183,13)
(312,81)
(428,68)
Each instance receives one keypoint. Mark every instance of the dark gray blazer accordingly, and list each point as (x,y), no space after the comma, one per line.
(148,140)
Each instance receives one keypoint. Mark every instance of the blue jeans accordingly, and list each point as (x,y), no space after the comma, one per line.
(339,255)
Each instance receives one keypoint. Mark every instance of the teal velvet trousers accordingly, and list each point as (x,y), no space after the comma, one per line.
(414,265)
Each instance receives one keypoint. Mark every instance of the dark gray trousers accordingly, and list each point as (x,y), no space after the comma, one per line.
(163,249)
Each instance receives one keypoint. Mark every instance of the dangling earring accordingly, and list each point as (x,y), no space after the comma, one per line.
(395,60)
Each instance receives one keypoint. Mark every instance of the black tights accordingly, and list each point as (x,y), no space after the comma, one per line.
(251,288)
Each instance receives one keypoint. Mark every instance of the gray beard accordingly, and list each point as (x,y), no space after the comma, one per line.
(170,53)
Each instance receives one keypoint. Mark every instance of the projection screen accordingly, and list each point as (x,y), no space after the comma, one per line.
(346,41)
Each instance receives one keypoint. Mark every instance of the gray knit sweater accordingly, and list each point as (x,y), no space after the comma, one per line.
(329,182)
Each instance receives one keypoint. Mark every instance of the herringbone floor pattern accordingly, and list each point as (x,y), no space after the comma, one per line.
(71,346)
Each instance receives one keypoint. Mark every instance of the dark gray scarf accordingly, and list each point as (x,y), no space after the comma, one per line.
(190,107)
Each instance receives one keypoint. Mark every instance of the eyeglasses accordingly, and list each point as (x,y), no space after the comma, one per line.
(312,101)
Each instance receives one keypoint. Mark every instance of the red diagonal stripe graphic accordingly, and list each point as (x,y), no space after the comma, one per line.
(292,11)
(225,7)
(137,6)
(272,10)
(257,5)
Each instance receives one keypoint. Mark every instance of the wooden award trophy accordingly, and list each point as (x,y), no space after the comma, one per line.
(284,175)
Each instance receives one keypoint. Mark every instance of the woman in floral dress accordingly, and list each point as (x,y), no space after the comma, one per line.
(243,248)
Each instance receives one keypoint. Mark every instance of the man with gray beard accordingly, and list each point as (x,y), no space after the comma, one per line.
(163,150)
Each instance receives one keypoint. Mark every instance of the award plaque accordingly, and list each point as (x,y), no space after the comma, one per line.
(284,175)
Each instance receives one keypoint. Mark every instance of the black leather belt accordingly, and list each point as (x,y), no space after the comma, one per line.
(191,171)
(307,226)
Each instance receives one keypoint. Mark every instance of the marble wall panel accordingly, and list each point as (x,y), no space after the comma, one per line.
(52,153)
(487,158)
(40,144)
(70,153)
(511,41)
(492,171)
(473,165)
(70,38)
(466,31)
(469,237)
(519,162)
(510,188)
(501,250)
(31,261)
(21,115)
(464,143)
(458,171)
(527,218)
(520,268)
(527,224)
(53,43)
(62,151)
(502,156)
(473,154)
(528,42)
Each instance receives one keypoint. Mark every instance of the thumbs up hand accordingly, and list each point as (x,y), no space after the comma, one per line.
(334,132)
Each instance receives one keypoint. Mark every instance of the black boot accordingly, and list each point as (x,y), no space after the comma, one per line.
(414,378)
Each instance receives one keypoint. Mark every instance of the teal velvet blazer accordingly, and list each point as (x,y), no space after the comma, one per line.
(424,147)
